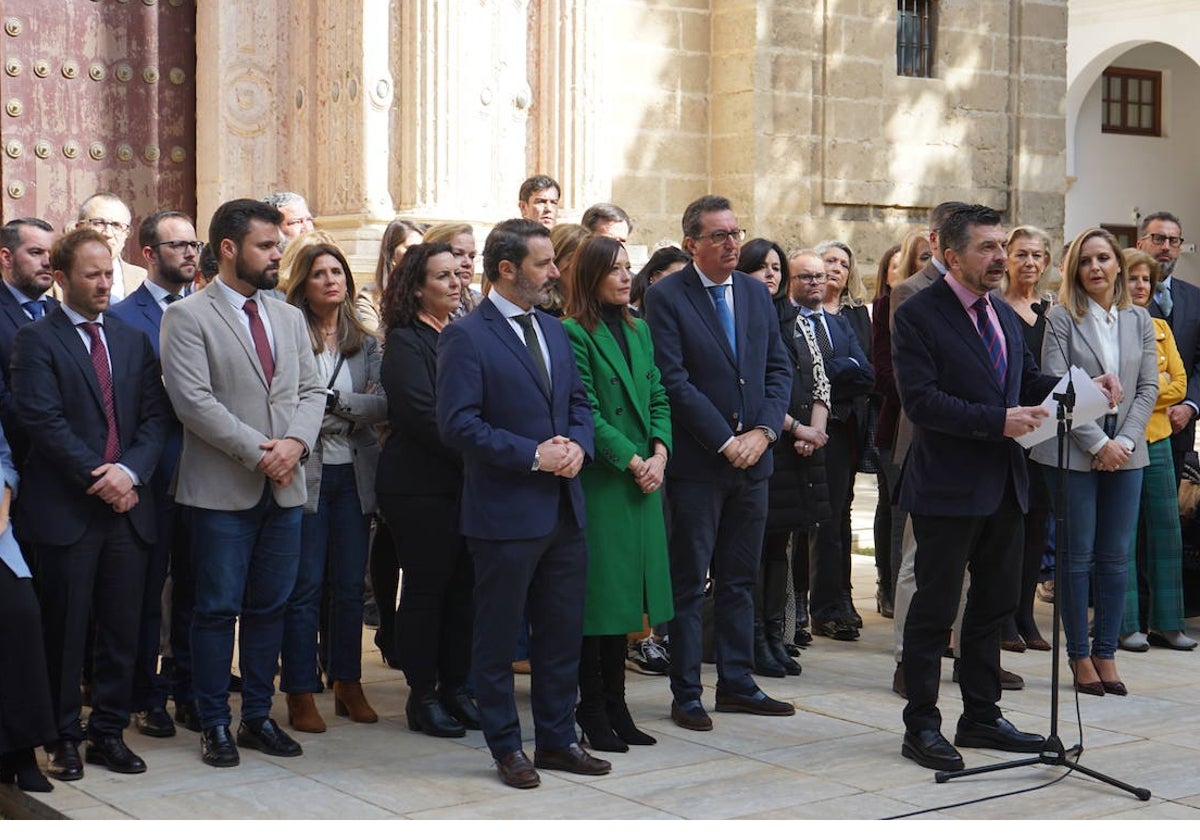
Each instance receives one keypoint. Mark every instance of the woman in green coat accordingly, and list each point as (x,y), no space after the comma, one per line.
(628,573)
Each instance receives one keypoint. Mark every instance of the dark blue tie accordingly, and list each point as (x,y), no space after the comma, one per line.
(991,341)
(35,308)
(724,316)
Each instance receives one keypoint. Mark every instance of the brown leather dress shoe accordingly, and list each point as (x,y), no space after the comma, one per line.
(572,759)
(757,703)
(691,716)
(516,770)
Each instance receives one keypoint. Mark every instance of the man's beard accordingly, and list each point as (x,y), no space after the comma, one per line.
(174,275)
(531,292)
(268,278)
(1166,267)
(29,285)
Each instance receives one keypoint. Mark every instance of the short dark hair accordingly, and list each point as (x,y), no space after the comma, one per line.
(537,183)
(659,261)
(955,232)
(232,220)
(1160,216)
(604,212)
(753,256)
(207,263)
(10,234)
(148,229)
(939,214)
(62,252)
(400,305)
(703,204)
(509,240)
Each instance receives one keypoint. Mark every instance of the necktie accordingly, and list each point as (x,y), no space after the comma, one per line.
(822,337)
(1163,298)
(991,341)
(724,316)
(534,347)
(261,345)
(35,308)
(112,443)
(172,298)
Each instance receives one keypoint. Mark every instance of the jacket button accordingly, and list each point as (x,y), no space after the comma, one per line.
(612,381)
(620,410)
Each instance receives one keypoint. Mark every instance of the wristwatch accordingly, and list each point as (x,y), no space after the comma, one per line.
(331,398)
(537,461)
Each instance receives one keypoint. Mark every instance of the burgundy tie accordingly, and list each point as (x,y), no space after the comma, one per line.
(261,346)
(112,443)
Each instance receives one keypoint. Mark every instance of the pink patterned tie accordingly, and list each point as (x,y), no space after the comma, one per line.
(261,345)
(112,443)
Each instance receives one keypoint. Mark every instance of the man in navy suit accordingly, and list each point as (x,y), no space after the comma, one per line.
(89,392)
(727,373)
(171,251)
(969,385)
(25,265)
(510,398)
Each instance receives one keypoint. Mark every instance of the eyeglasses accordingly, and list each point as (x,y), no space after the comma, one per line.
(1159,239)
(811,277)
(719,237)
(179,245)
(298,221)
(101,224)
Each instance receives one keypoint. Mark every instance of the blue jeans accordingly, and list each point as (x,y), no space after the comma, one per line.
(1102,512)
(245,567)
(333,555)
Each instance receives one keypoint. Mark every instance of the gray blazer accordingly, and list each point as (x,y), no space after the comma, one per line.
(1138,373)
(363,408)
(220,395)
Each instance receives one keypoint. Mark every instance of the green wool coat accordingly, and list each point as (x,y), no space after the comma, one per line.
(628,571)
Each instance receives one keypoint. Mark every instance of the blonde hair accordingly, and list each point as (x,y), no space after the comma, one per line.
(854,293)
(1028,232)
(915,243)
(1071,293)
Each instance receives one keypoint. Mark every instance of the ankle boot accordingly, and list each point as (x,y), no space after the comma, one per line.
(302,713)
(612,670)
(458,703)
(773,632)
(883,597)
(802,637)
(591,714)
(765,664)
(426,714)
(21,767)
(349,701)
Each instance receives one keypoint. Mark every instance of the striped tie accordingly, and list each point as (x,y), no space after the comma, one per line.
(991,340)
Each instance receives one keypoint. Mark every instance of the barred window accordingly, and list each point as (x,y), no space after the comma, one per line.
(1132,102)
(915,25)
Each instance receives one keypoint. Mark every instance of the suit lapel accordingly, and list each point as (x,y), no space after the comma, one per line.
(1089,332)
(498,324)
(12,310)
(220,305)
(611,352)
(68,335)
(124,375)
(960,322)
(701,300)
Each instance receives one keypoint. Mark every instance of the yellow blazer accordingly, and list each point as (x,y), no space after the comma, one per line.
(1172,382)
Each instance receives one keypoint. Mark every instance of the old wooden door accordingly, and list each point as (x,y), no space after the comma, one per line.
(98,95)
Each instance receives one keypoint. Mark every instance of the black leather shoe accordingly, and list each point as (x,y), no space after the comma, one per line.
(155,722)
(836,629)
(186,714)
(765,664)
(460,705)
(802,638)
(426,714)
(572,759)
(997,735)
(849,613)
(516,770)
(65,764)
(780,652)
(266,737)
(217,748)
(691,716)
(757,703)
(929,749)
(110,751)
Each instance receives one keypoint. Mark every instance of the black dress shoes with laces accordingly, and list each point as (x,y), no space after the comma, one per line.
(110,751)
(266,737)
(930,749)
(217,748)
(65,764)
(997,735)
(155,723)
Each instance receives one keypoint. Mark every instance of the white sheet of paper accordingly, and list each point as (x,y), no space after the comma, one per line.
(1090,403)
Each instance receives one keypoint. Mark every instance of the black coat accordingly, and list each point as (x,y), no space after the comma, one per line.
(798,495)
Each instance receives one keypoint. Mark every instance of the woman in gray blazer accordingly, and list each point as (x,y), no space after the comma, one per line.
(340,478)
(1097,328)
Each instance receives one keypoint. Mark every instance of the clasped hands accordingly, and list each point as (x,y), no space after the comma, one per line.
(648,472)
(279,460)
(808,440)
(561,456)
(744,450)
(114,487)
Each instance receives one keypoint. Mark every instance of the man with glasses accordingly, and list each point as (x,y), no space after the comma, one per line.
(1178,302)
(171,252)
(728,376)
(297,218)
(106,213)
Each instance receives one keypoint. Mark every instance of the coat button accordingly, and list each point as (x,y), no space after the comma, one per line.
(612,381)
(620,410)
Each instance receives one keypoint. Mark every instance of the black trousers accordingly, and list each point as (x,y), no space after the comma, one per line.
(26,716)
(829,552)
(990,546)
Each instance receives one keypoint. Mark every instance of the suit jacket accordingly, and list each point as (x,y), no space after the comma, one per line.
(358,411)
(142,311)
(960,462)
(851,375)
(926,277)
(1080,342)
(58,401)
(711,392)
(12,318)
(415,461)
(491,406)
(1185,326)
(220,394)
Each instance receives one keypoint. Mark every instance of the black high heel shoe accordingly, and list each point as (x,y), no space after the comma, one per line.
(21,767)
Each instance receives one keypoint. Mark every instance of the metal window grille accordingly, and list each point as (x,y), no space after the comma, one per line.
(915,25)
(1132,102)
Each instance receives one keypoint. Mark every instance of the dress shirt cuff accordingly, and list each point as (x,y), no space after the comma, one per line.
(721,448)
(1125,441)
(1192,406)
(1096,447)
(771,434)
(137,482)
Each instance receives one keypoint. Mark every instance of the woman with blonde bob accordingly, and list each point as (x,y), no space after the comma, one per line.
(1097,327)
(1157,550)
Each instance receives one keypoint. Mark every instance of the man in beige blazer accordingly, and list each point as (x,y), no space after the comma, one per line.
(239,369)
